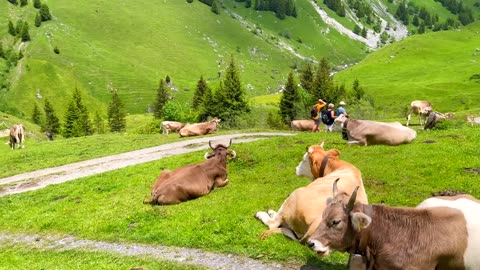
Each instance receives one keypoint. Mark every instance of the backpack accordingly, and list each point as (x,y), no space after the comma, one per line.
(325,117)
(313,112)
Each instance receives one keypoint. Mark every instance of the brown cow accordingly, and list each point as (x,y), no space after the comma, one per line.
(200,128)
(17,136)
(438,234)
(168,126)
(302,125)
(193,181)
(420,108)
(365,132)
(299,215)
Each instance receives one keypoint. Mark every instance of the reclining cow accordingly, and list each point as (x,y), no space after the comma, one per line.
(17,136)
(365,132)
(302,125)
(299,215)
(420,108)
(168,126)
(200,128)
(193,181)
(441,233)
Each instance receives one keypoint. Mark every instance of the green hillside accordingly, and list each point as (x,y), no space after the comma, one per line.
(442,67)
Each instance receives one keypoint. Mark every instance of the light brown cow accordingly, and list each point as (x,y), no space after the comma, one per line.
(193,181)
(299,215)
(438,234)
(302,125)
(420,108)
(365,132)
(200,128)
(168,126)
(17,136)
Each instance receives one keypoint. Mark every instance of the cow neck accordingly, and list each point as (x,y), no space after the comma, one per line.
(323,166)
(360,245)
(345,125)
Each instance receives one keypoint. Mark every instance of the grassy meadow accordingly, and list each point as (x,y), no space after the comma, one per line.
(109,206)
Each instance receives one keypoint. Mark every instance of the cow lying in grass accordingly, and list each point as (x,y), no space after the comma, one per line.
(365,132)
(193,181)
(299,215)
(302,125)
(200,128)
(168,126)
(441,233)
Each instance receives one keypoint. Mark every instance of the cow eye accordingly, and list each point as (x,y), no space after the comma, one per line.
(336,222)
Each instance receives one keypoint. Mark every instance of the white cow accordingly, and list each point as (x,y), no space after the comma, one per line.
(168,126)
(420,108)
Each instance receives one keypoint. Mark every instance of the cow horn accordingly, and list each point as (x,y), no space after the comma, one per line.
(353,198)
(210,144)
(321,145)
(232,154)
(335,187)
(230,143)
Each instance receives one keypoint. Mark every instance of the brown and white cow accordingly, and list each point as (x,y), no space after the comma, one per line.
(193,181)
(420,108)
(439,234)
(168,126)
(17,136)
(200,128)
(366,132)
(302,125)
(298,217)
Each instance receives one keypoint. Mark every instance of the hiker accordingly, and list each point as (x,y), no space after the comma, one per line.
(317,117)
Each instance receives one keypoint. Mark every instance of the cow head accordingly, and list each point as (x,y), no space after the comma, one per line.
(220,150)
(339,224)
(312,160)
(339,122)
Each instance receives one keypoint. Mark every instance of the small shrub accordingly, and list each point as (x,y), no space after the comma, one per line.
(56,50)
(189,1)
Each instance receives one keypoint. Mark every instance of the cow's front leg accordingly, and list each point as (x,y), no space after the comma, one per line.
(219,182)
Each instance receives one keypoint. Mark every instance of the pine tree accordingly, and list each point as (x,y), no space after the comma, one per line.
(358,91)
(198,96)
(77,122)
(207,106)
(11,29)
(323,83)
(45,13)
(230,98)
(37,4)
(52,124)
(38,20)
(289,99)
(306,78)
(161,99)
(24,34)
(116,114)
(36,115)
(215,9)
(2,52)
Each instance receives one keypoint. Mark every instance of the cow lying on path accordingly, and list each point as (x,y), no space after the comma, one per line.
(302,125)
(193,181)
(168,126)
(420,108)
(200,128)
(17,136)
(441,233)
(300,214)
(367,132)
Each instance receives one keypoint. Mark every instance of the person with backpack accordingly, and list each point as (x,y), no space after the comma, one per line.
(316,115)
(330,117)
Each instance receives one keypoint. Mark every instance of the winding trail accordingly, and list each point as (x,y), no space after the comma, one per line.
(45,177)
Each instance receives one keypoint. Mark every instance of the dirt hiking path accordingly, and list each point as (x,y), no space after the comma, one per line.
(45,177)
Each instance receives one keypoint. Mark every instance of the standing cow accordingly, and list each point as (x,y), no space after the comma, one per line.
(420,108)
(441,233)
(193,181)
(200,128)
(17,136)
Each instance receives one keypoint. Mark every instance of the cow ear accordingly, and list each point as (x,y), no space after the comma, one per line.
(309,149)
(360,221)
(333,152)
